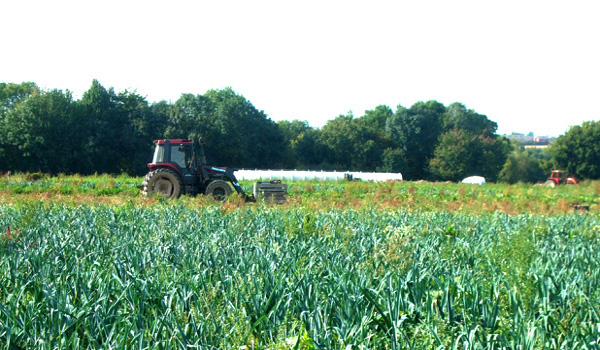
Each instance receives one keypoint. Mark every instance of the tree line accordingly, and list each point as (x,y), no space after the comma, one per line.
(108,132)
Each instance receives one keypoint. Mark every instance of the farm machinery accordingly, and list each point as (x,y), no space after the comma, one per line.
(559,177)
(178,169)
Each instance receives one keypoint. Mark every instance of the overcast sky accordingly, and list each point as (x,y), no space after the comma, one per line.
(527,65)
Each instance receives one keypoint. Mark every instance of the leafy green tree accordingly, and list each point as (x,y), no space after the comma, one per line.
(42,131)
(248,138)
(49,131)
(457,116)
(301,144)
(461,153)
(235,133)
(103,129)
(144,124)
(377,118)
(392,160)
(11,94)
(111,132)
(352,144)
(375,139)
(156,124)
(117,128)
(578,150)
(543,156)
(339,137)
(452,157)
(494,152)
(415,133)
(468,146)
(522,166)
(189,117)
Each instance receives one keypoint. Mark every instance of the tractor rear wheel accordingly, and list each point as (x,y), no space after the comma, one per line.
(218,189)
(163,182)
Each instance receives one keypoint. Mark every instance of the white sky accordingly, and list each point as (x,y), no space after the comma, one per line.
(527,65)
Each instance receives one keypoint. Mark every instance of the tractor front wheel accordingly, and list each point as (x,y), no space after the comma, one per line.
(550,183)
(164,182)
(218,189)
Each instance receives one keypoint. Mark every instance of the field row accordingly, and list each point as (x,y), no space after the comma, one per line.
(422,196)
(176,276)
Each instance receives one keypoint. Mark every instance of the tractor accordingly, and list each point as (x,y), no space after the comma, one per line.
(559,177)
(178,169)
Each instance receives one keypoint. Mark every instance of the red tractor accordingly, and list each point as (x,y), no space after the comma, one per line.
(559,177)
(177,169)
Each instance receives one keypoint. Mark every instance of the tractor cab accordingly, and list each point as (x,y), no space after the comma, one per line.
(178,152)
(177,155)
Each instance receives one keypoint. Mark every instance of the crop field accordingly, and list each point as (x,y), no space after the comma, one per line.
(411,196)
(377,266)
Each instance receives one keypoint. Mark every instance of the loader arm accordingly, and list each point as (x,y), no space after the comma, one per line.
(229,176)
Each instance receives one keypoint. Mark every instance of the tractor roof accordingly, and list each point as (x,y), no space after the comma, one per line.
(174,142)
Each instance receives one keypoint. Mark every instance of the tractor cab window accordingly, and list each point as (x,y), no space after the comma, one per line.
(178,155)
(181,155)
(159,154)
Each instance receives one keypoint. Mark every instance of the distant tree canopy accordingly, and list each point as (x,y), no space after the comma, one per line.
(461,153)
(525,165)
(234,132)
(578,151)
(415,132)
(109,132)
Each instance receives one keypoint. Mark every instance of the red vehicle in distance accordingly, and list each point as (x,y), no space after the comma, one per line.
(559,177)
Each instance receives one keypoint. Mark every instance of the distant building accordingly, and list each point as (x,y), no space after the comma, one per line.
(530,140)
(520,138)
(542,140)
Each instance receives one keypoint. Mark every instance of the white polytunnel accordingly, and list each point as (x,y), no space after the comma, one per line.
(299,175)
